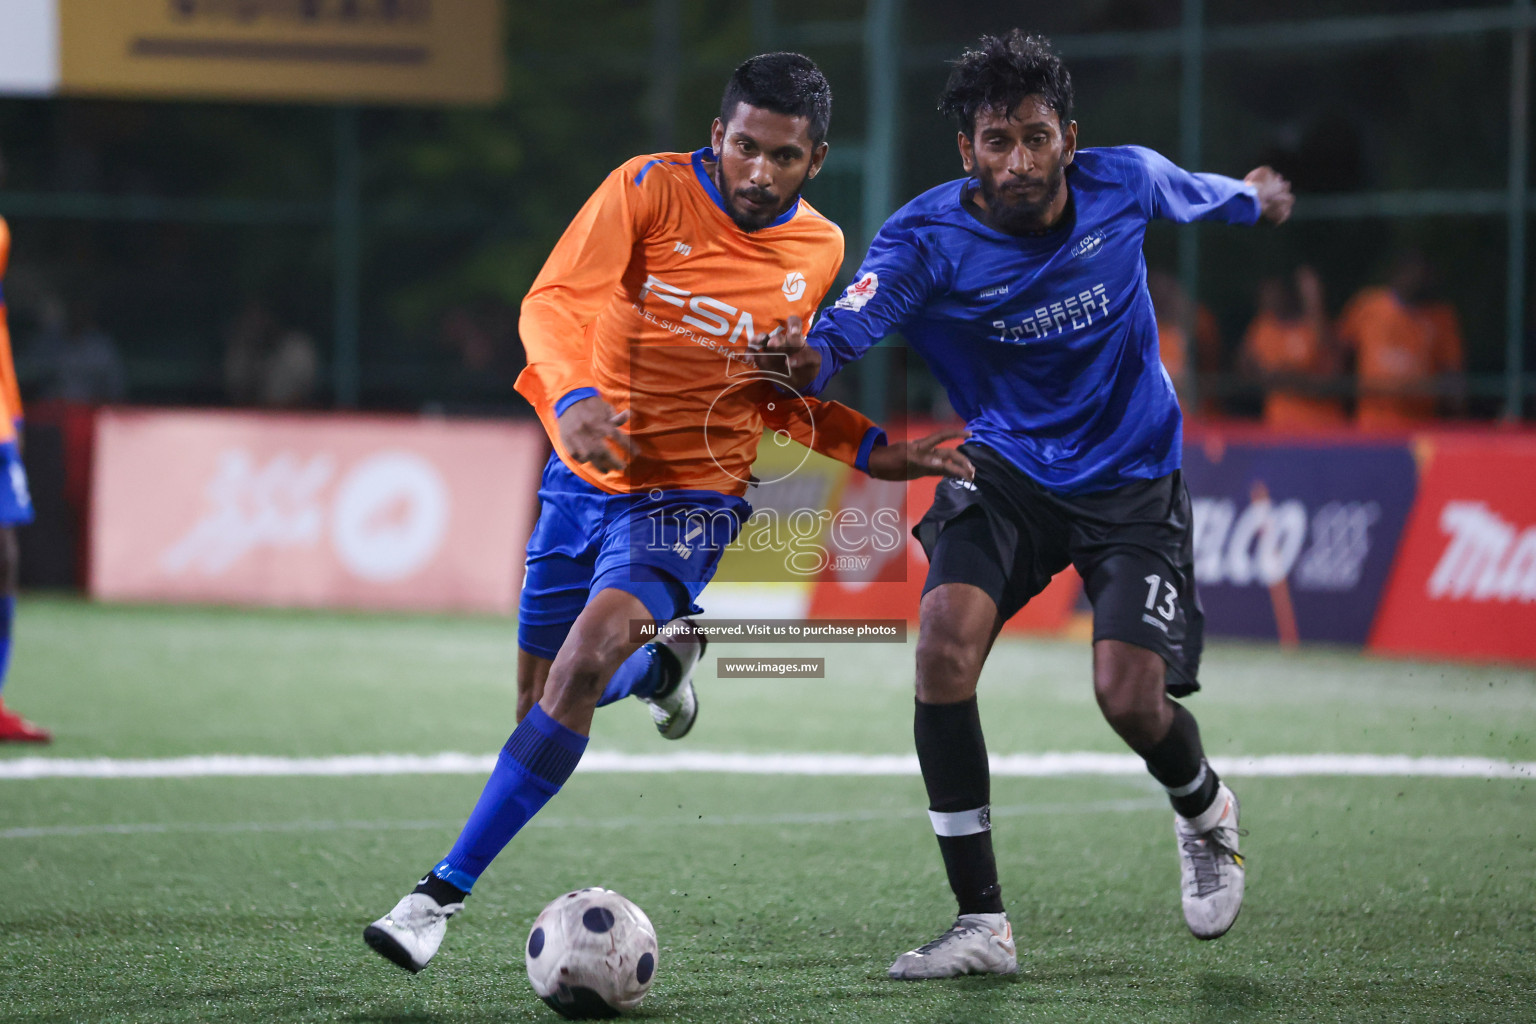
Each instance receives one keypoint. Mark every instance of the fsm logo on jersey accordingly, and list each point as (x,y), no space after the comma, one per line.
(312,510)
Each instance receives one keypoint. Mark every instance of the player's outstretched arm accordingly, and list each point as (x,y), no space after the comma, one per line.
(783,354)
(1273,192)
(589,430)
(908,460)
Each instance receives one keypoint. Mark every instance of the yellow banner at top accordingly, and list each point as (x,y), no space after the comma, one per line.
(391,51)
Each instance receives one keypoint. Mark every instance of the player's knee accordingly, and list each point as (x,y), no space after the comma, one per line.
(947,668)
(1132,701)
(590,656)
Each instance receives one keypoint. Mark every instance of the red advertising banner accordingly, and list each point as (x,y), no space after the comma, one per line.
(312,510)
(1465,579)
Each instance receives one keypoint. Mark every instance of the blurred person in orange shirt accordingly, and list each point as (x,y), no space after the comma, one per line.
(15,508)
(1404,345)
(1170,302)
(1291,347)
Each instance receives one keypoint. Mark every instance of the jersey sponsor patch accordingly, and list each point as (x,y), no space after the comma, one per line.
(1089,246)
(794,286)
(860,292)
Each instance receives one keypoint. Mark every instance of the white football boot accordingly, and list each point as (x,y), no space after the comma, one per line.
(974,944)
(1210,866)
(675,710)
(410,934)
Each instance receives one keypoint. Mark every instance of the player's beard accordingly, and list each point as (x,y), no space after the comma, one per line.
(747,219)
(1016,215)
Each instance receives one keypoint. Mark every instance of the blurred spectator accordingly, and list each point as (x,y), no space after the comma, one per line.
(482,335)
(1407,347)
(1170,302)
(71,358)
(246,344)
(267,366)
(291,372)
(1291,348)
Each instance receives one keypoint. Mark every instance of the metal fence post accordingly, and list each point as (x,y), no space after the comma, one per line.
(666,72)
(1191,114)
(347,228)
(882,76)
(1519,141)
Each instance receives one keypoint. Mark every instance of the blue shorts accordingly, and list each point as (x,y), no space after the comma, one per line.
(661,546)
(15,497)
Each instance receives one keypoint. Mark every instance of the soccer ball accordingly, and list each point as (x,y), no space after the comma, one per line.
(591,953)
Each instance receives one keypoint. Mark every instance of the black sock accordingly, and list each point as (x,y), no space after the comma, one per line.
(443,892)
(1178,762)
(953,755)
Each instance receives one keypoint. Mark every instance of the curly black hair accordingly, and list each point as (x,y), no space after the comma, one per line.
(999,73)
(785,83)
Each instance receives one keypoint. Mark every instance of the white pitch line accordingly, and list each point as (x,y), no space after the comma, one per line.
(1154,803)
(1003,766)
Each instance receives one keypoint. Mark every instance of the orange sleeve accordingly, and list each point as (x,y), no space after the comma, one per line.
(1448,343)
(1207,341)
(1352,320)
(1171,349)
(1253,343)
(10,390)
(575,285)
(830,428)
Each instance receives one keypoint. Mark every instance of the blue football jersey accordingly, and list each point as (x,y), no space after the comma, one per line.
(1046,344)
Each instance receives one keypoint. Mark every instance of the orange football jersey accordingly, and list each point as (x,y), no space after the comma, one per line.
(1400,350)
(1292,348)
(649,300)
(10,393)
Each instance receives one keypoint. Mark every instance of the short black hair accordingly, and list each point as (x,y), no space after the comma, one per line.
(999,73)
(785,83)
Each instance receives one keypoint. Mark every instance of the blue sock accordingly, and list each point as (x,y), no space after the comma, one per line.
(639,676)
(7,613)
(538,758)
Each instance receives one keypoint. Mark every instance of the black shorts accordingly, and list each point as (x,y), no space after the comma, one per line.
(1133,546)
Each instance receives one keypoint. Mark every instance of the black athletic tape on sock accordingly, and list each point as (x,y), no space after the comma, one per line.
(441,891)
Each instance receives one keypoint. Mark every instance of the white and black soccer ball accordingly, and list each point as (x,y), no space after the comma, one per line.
(591,953)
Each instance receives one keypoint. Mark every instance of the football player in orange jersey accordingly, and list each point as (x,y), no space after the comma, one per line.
(15,508)
(645,366)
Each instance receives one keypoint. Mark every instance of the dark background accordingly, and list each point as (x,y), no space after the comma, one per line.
(163,221)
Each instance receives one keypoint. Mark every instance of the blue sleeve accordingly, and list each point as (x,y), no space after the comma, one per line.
(893,284)
(570,398)
(874,438)
(1175,194)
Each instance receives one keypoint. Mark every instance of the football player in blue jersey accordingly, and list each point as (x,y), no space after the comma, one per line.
(1024,288)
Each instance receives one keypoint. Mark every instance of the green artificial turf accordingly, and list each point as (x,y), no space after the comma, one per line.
(775,898)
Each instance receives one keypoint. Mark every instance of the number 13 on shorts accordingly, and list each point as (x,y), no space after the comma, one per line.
(1169,605)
